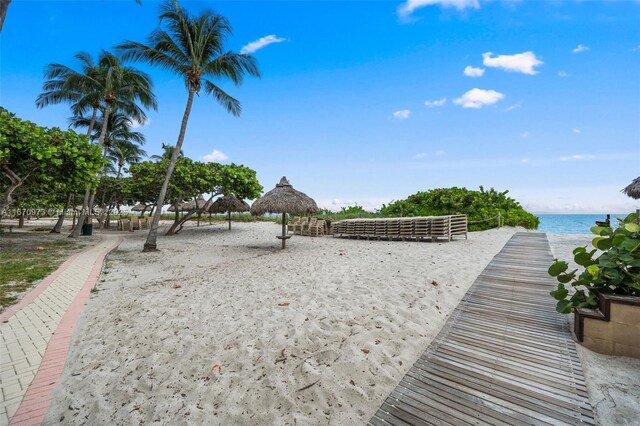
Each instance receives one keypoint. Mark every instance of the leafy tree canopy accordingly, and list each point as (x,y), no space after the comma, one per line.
(38,161)
(190,179)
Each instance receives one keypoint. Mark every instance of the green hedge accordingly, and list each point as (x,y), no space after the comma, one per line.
(477,205)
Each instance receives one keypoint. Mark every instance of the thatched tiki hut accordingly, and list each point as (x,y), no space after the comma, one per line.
(196,206)
(284,199)
(633,191)
(229,203)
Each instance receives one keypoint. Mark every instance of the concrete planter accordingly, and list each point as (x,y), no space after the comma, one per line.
(613,328)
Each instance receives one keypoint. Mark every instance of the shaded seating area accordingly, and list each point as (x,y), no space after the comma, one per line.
(133,223)
(431,228)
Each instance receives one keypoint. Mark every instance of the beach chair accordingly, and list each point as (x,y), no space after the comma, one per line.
(406,229)
(306,227)
(459,225)
(317,229)
(298,227)
(422,227)
(124,224)
(291,226)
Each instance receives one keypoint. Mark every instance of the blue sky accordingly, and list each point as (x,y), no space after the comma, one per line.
(367,102)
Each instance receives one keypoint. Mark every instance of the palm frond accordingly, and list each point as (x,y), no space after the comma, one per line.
(229,103)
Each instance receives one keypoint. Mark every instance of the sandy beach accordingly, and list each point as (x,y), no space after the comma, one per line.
(222,327)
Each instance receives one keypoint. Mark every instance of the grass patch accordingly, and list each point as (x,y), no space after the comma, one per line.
(22,264)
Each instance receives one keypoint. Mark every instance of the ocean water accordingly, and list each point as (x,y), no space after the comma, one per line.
(572,223)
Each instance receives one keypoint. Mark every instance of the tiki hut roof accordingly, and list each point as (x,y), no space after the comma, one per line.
(284,199)
(138,207)
(197,205)
(180,208)
(633,189)
(229,203)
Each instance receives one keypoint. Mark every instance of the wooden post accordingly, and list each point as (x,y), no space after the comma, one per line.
(499,219)
(284,230)
(229,219)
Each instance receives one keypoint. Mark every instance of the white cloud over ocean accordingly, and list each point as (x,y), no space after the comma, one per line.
(256,45)
(524,62)
(477,98)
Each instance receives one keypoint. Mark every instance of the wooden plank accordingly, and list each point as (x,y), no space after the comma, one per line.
(504,356)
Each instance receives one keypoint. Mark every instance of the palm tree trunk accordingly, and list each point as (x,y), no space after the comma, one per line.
(88,196)
(58,227)
(93,121)
(4,5)
(150,244)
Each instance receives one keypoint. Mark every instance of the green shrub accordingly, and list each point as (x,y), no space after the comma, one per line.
(477,205)
(615,271)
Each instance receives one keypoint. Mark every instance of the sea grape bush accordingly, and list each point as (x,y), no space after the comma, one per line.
(477,205)
(611,267)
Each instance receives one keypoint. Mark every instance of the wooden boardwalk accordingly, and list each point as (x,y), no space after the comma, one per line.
(503,357)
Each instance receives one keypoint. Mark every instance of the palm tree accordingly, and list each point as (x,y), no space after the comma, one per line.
(83,89)
(167,153)
(97,87)
(193,48)
(124,152)
(118,133)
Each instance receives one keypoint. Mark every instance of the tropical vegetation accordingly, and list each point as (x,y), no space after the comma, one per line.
(481,207)
(103,86)
(40,163)
(192,47)
(612,266)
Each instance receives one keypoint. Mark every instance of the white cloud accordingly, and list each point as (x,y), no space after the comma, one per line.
(563,74)
(408,7)
(402,114)
(512,107)
(477,98)
(254,46)
(215,157)
(138,124)
(436,103)
(524,160)
(524,62)
(577,131)
(578,157)
(581,48)
(470,71)
(422,155)
(525,135)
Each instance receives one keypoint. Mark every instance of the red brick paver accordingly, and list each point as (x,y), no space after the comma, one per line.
(36,334)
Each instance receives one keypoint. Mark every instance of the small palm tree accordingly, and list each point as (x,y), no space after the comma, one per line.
(118,131)
(124,152)
(167,153)
(193,48)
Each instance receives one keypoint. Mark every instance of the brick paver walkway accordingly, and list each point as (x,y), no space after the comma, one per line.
(36,332)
